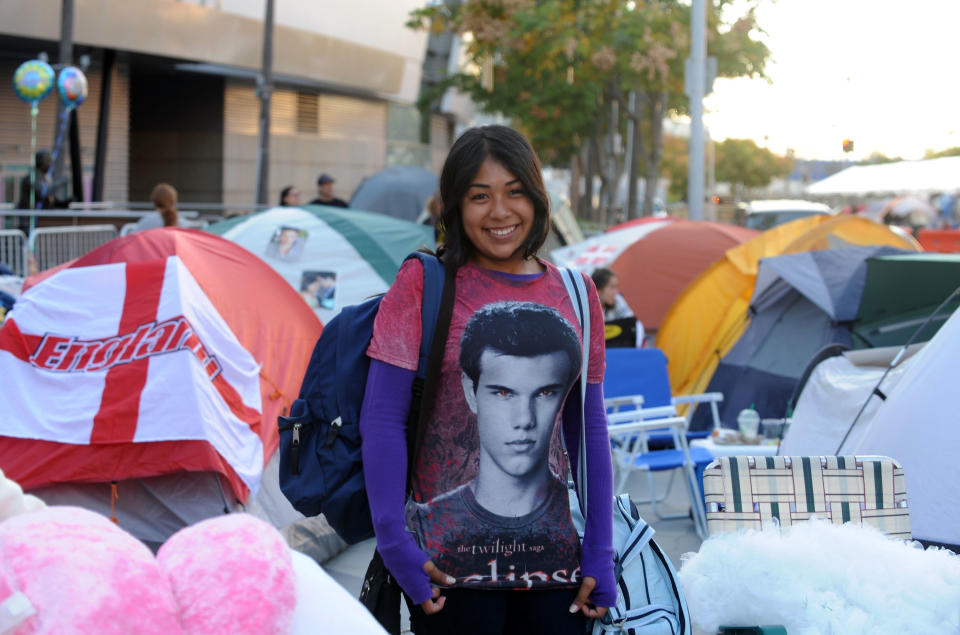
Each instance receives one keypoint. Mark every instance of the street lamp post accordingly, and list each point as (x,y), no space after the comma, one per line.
(66,58)
(696,83)
(264,91)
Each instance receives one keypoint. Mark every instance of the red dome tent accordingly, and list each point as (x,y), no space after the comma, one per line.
(169,351)
(655,271)
(654,258)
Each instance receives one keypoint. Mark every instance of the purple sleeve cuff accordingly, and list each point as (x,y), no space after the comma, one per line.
(597,552)
(383,431)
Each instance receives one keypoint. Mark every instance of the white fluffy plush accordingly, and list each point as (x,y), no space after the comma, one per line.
(819,578)
(13,501)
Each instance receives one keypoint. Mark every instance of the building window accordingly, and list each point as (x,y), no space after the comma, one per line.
(307,113)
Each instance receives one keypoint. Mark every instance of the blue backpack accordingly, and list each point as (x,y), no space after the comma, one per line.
(321,469)
(649,598)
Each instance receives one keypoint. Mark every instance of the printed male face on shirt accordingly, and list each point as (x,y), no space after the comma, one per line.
(516,401)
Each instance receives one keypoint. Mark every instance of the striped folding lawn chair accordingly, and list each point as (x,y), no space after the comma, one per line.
(744,492)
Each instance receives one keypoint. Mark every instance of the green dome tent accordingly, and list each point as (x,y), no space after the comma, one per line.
(333,257)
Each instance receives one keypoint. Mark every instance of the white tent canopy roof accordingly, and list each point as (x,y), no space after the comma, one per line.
(929,176)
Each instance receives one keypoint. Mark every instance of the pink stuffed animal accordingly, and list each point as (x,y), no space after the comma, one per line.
(81,573)
(70,570)
(231,574)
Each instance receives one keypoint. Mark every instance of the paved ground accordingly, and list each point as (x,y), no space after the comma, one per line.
(675,537)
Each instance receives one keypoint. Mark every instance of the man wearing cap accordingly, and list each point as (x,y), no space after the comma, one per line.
(325,193)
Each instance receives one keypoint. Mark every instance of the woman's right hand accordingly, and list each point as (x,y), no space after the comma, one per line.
(435,604)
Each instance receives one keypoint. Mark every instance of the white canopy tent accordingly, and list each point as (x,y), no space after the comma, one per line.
(835,392)
(917,424)
(928,176)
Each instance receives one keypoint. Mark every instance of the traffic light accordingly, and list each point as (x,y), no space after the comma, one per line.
(848,145)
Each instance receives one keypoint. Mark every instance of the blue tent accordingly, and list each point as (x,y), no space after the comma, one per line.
(801,302)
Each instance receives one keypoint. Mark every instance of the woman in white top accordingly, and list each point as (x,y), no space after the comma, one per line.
(608,286)
(614,306)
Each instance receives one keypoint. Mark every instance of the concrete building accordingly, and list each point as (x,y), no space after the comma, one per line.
(182,101)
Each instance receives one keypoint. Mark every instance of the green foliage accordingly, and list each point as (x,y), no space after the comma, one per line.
(877,158)
(675,166)
(949,152)
(742,162)
(553,66)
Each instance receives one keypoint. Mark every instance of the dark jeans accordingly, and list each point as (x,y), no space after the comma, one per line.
(469,611)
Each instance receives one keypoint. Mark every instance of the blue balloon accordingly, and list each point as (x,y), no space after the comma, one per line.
(72,86)
(33,81)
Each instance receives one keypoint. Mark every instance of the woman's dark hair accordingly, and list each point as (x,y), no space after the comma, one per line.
(510,149)
(284,192)
(601,277)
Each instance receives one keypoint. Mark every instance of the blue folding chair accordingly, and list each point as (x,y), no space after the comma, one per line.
(643,371)
(646,433)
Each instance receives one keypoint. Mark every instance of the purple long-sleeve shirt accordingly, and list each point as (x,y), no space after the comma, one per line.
(383,426)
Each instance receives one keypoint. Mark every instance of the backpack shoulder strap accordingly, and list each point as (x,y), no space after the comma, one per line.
(577,289)
(433,278)
(439,289)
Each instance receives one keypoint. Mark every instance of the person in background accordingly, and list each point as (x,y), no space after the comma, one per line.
(41,200)
(44,196)
(614,306)
(432,214)
(289,196)
(325,192)
(496,216)
(164,199)
(608,286)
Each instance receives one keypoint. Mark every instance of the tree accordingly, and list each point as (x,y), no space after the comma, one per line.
(675,162)
(877,158)
(564,70)
(743,164)
(949,152)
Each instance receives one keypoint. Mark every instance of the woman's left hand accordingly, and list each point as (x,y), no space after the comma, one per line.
(580,603)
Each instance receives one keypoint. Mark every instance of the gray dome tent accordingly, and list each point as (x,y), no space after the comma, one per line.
(401,191)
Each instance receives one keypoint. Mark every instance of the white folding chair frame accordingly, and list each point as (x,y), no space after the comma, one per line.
(628,432)
(712,398)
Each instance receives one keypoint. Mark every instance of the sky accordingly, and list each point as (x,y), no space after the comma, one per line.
(883,73)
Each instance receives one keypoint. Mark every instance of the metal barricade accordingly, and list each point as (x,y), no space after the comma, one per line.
(13,251)
(56,245)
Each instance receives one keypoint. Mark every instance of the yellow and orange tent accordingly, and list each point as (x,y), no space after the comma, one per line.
(711,314)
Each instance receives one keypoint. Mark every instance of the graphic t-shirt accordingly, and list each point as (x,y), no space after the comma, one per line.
(489,501)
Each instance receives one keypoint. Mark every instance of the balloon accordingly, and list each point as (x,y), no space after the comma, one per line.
(72,86)
(33,80)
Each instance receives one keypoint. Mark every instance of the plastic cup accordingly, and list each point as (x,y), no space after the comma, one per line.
(748,422)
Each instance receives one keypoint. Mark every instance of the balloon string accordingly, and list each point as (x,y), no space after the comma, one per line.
(64,117)
(34,110)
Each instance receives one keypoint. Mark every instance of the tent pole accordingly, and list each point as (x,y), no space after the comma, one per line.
(893,363)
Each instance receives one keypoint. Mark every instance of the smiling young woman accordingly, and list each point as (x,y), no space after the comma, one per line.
(491,184)
(487,518)
(497,219)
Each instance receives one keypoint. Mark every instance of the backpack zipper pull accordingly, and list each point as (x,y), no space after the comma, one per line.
(334,430)
(295,447)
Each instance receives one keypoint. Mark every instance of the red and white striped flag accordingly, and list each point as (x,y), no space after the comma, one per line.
(126,370)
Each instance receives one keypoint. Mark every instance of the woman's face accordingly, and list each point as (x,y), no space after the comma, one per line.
(497,219)
(608,294)
(292,197)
